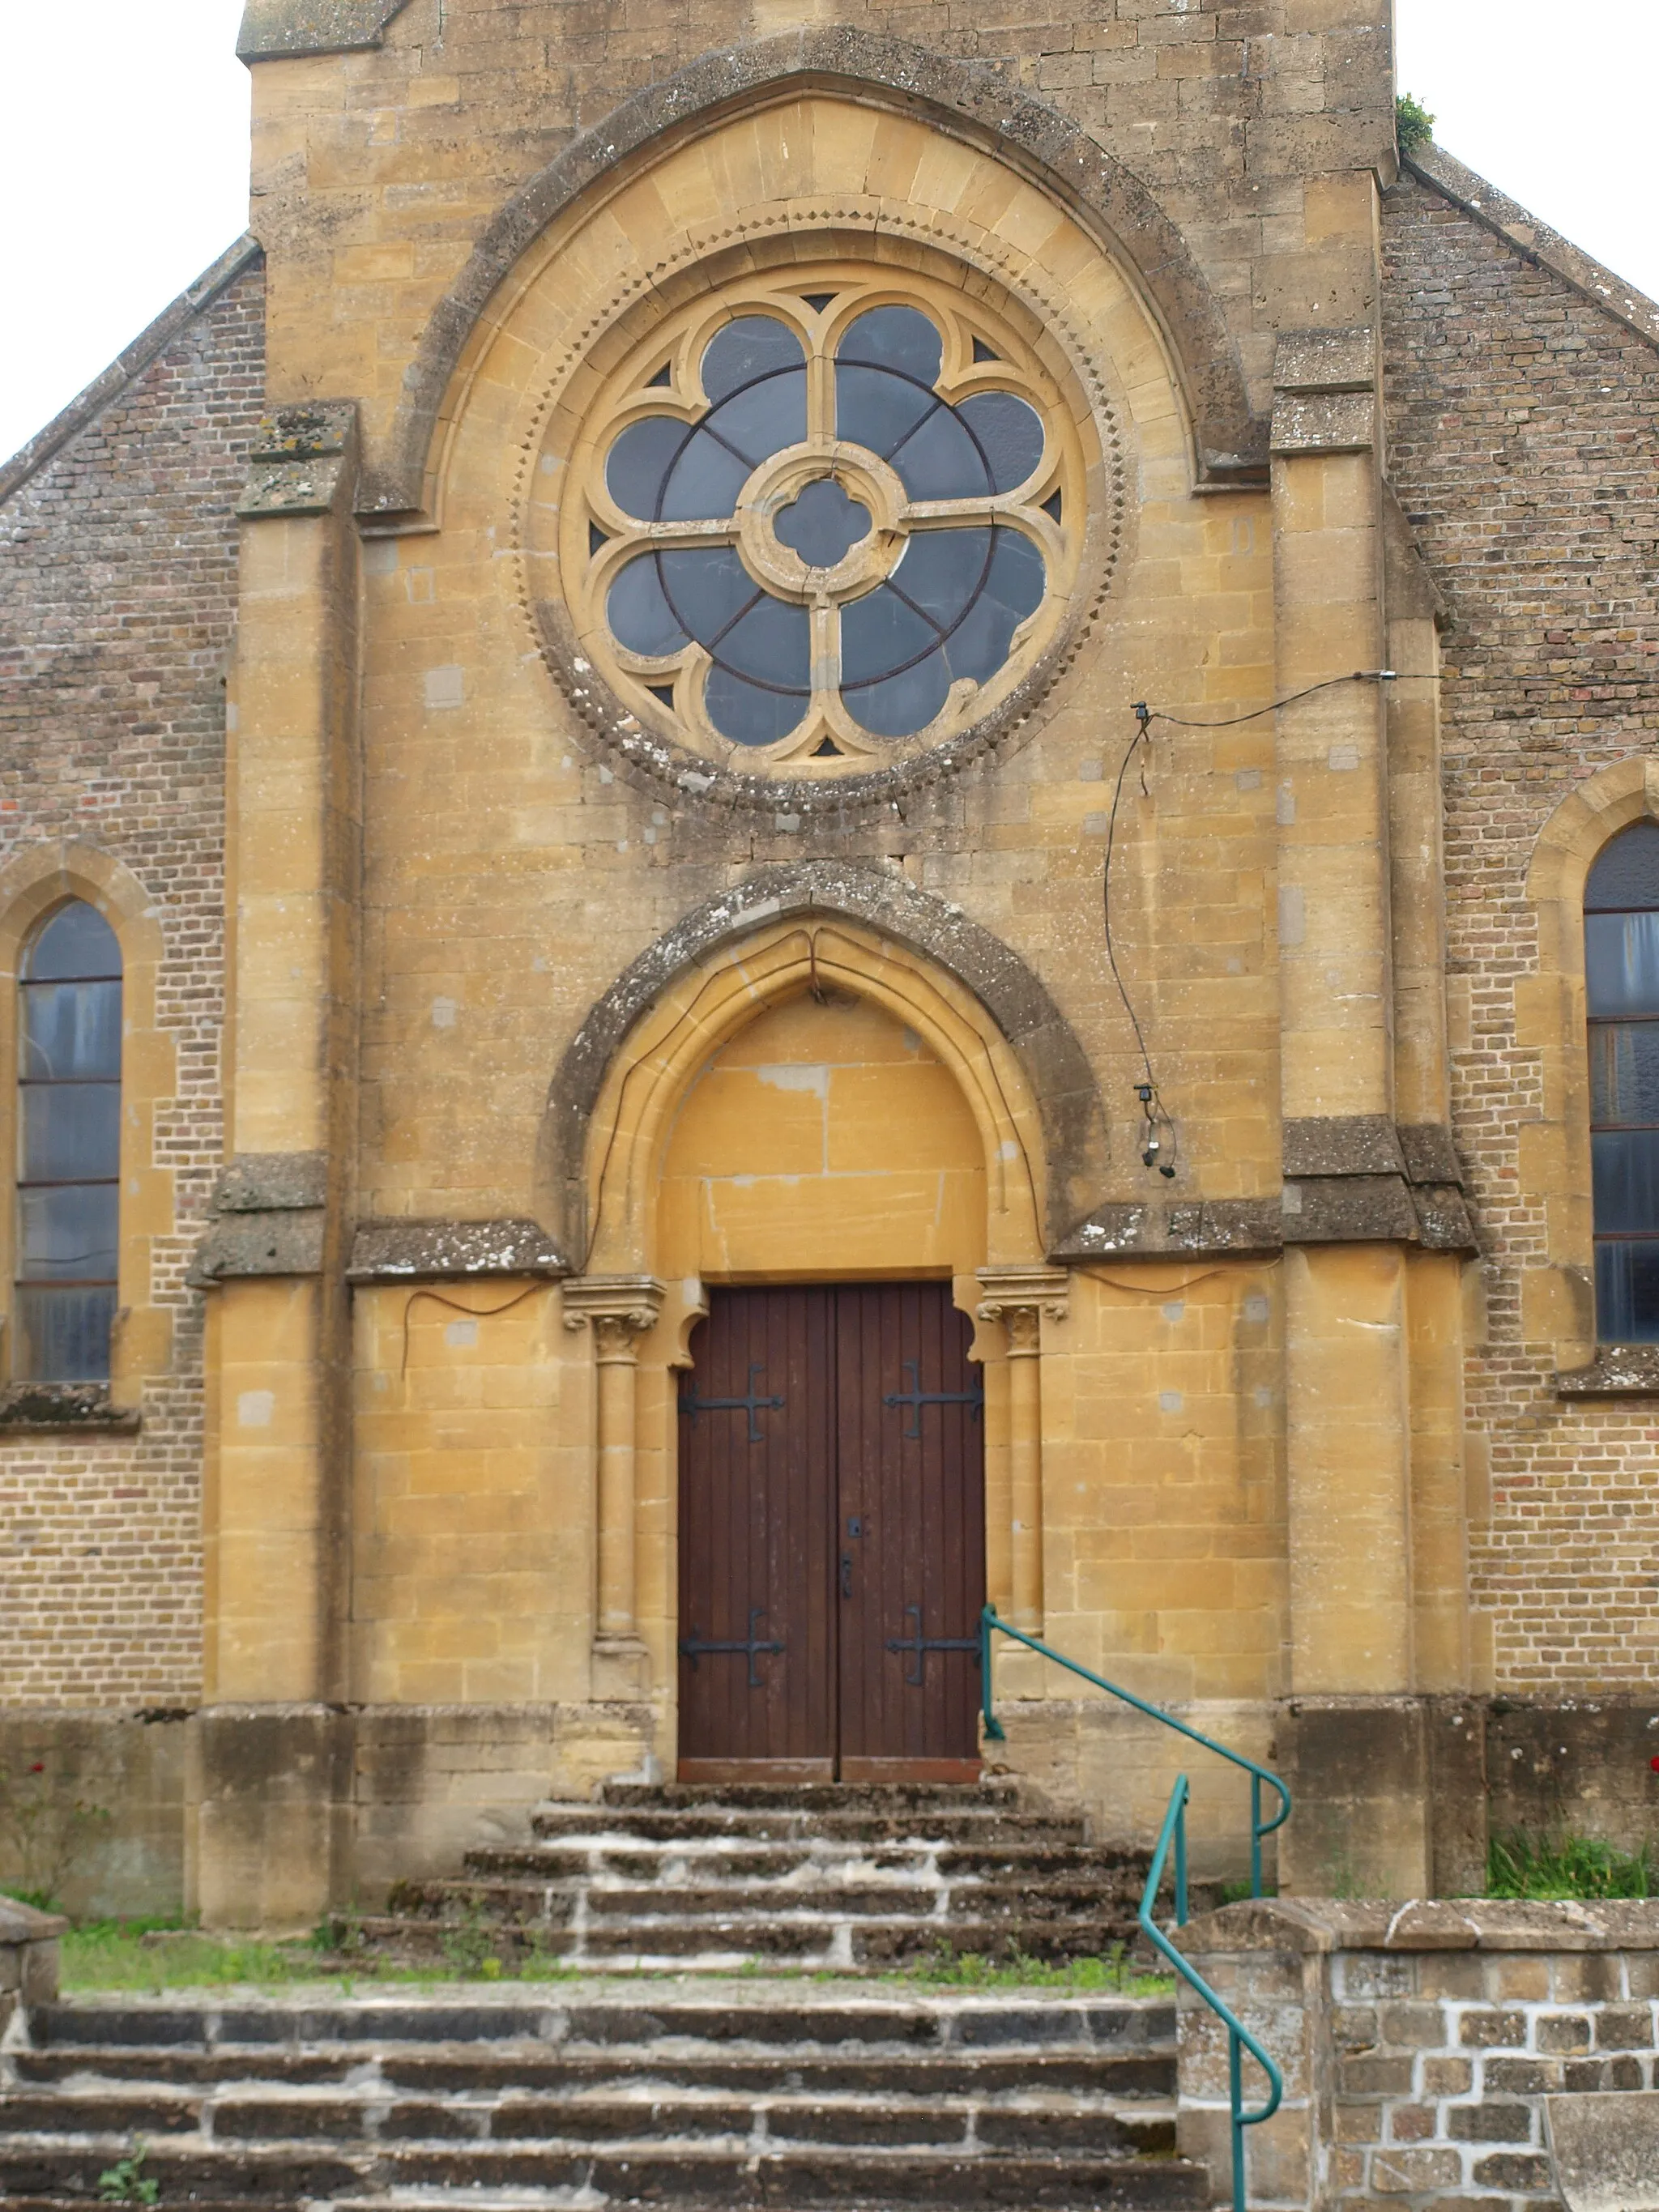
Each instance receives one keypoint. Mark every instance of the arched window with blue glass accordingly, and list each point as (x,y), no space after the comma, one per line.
(69,1163)
(830,523)
(1621,975)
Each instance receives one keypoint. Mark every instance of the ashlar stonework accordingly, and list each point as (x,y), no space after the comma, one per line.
(494,1004)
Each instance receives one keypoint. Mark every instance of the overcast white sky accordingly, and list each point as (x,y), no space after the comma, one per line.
(123,155)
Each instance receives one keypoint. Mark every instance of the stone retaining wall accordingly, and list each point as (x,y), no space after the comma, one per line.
(28,1957)
(1419,2043)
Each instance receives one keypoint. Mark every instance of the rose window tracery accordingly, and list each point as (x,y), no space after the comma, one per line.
(823,526)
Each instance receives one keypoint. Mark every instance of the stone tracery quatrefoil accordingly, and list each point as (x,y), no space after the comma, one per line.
(824,526)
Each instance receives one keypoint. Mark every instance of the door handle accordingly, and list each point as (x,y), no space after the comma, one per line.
(846,1574)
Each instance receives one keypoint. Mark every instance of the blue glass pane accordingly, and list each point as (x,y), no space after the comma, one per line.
(754,345)
(940,570)
(704,484)
(773,643)
(1624,1179)
(1013,589)
(639,616)
(1625,1071)
(67,1234)
(71,1029)
(77,942)
(1626,871)
(1627,1292)
(765,418)
(894,338)
(639,463)
(746,713)
(878,635)
(1621,963)
(63,1336)
(904,703)
(939,460)
(70,1131)
(822,524)
(1010,434)
(876,409)
(706,587)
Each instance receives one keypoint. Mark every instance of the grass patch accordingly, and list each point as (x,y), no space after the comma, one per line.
(115,1954)
(1565,1865)
(1116,1973)
(150,1957)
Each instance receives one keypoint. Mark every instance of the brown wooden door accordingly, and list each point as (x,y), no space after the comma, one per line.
(832,1543)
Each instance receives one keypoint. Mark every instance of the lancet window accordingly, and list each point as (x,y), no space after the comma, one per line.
(68,1148)
(1621,974)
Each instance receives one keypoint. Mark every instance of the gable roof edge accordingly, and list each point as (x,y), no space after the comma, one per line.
(128,365)
(1590,279)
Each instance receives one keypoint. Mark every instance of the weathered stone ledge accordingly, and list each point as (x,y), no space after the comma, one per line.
(417,1250)
(1618,1370)
(83,1409)
(1318,1924)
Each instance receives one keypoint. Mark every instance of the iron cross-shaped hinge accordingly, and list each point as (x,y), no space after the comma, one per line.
(920,1646)
(694,1646)
(690,1403)
(915,1398)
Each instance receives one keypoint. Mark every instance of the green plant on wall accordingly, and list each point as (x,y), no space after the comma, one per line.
(1565,1865)
(46,1830)
(1413,126)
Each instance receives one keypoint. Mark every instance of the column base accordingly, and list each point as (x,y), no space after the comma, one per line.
(620,1667)
(269,1803)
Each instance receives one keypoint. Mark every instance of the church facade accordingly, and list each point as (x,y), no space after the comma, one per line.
(805,820)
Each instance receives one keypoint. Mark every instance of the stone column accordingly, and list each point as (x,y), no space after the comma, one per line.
(618,1309)
(277,1540)
(1347,1211)
(1019,1297)
(269,1820)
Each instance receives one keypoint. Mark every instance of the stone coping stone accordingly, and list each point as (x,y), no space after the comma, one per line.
(1474,1923)
(1606,2150)
(21,1924)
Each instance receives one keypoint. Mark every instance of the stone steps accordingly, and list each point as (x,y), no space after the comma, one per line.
(821,1878)
(625,1859)
(674,2094)
(757,1937)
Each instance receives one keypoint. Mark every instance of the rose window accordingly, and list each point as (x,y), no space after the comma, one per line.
(826,526)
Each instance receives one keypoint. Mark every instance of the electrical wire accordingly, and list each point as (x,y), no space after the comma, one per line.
(1354,675)
(1151,1104)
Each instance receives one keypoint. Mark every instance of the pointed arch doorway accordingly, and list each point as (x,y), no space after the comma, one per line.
(832,1537)
(814,1107)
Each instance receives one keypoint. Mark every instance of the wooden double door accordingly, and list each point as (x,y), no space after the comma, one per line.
(831,1537)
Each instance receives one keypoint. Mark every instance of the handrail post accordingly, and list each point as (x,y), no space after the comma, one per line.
(1255,1835)
(1236,2098)
(1181,1868)
(994,1731)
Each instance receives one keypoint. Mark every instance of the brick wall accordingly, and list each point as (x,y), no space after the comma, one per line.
(116,610)
(1419,2044)
(1521,422)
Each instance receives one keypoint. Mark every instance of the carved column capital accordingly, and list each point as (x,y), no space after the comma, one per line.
(1017,1297)
(618,1307)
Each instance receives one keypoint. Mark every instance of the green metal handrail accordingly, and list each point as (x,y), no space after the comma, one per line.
(990,1620)
(1239,2038)
(1174,1833)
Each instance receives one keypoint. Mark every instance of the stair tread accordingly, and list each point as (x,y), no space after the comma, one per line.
(664,2074)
